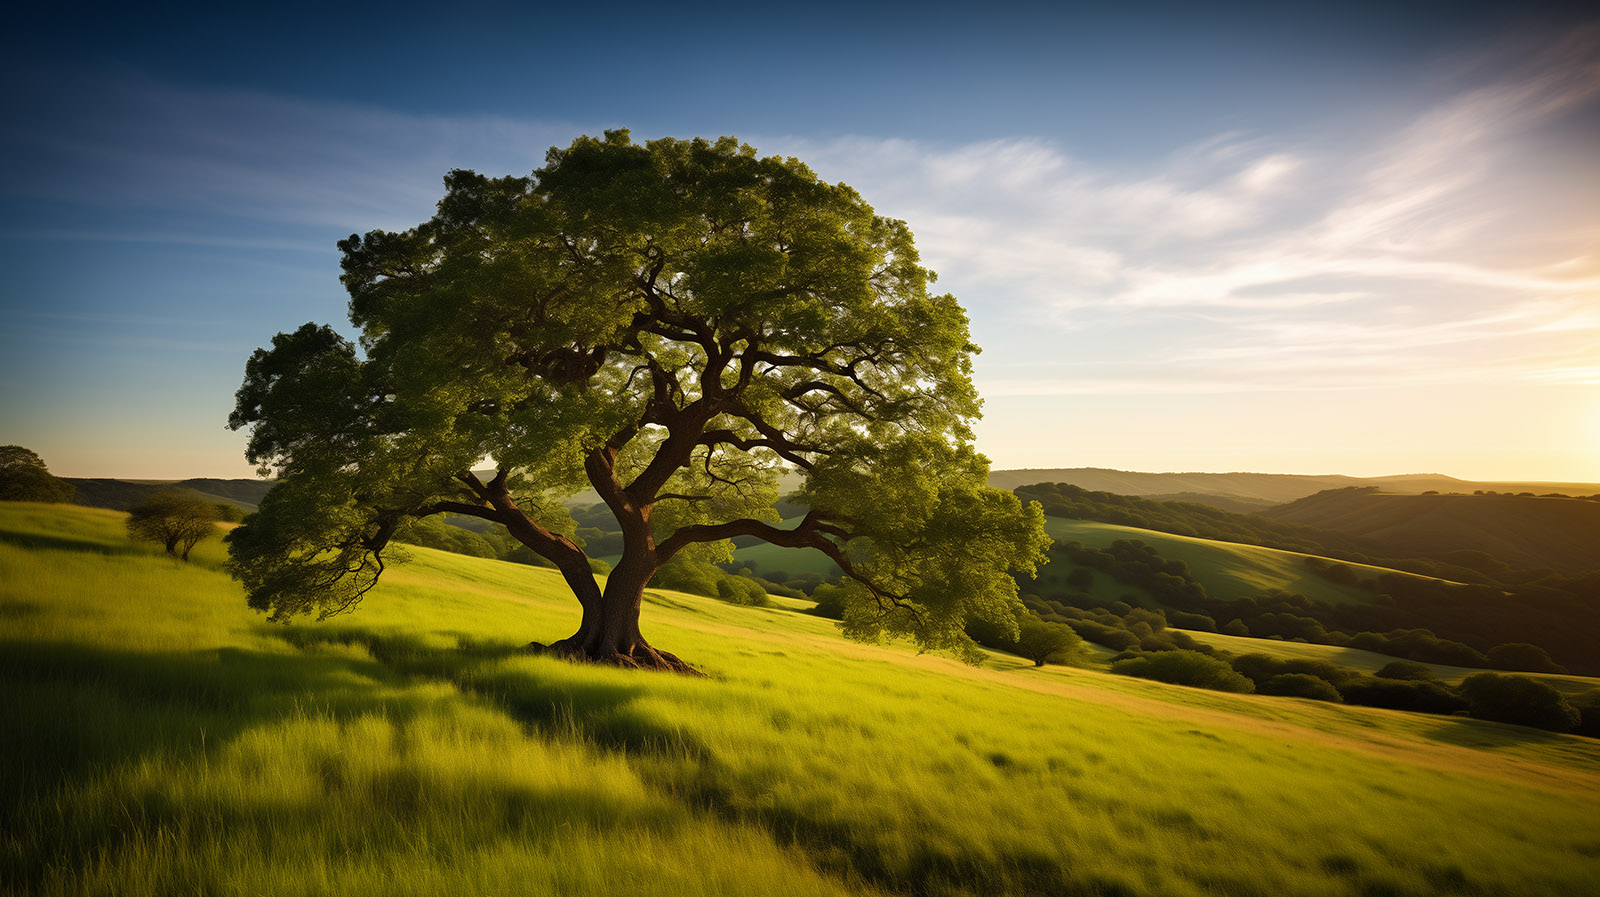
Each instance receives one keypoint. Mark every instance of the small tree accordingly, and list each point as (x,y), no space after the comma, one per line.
(23,477)
(1520,700)
(178,522)
(1044,642)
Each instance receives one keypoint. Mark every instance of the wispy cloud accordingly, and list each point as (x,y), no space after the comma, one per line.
(1435,255)
(1447,249)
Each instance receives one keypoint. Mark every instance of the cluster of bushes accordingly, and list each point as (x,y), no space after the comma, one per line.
(1134,563)
(1400,685)
(701,578)
(1118,625)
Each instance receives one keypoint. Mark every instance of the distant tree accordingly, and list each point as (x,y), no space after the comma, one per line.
(178,522)
(673,325)
(1044,642)
(1185,668)
(24,477)
(1300,685)
(228,512)
(1522,657)
(1520,700)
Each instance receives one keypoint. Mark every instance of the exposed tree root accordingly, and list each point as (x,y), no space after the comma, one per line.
(642,657)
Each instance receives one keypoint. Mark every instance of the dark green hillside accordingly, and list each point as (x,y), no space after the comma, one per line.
(1477,605)
(1272,488)
(120,495)
(1529,531)
(1259,486)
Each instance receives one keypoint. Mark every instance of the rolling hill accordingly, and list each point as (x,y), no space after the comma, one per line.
(1518,530)
(120,495)
(1259,489)
(1228,570)
(160,738)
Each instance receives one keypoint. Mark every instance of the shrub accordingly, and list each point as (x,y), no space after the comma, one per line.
(1523,657)
(1185,668)
(1588,707)
(1043,642)
(739,590)
(1519,700)
(830,601)
(1258,668)
(1395,694)
(1112,637)
(1301,685)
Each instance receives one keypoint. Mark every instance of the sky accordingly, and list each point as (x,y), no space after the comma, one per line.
(1294,238)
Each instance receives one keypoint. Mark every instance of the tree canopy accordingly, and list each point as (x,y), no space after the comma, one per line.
(673,325)
(24,477)
(178,522)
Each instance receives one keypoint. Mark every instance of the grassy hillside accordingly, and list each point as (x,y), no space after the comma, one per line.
(161,739)
(1523,531)
(1228,570)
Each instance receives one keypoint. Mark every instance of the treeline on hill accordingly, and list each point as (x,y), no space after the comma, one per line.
(1458,622)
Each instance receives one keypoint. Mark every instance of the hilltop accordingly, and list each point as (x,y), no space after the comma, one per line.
(1252,491)
(1534,531)
(161,738)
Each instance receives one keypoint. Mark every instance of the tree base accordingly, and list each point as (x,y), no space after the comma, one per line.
(642,657)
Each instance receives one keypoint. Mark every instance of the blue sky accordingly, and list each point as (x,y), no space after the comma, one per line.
(1320,239)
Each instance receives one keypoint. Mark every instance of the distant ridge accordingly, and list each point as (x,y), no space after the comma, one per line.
(1255,488)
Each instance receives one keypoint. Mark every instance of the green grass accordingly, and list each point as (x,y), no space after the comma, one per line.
(1228,570)
(161,739)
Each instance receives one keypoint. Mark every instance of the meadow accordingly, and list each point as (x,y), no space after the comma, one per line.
(161,738)
(1229,569)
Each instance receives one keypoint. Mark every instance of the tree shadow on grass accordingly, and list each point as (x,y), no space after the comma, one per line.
(593,709)
(1478,733)
(64,542)
(75,713)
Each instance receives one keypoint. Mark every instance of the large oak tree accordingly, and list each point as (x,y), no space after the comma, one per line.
(674,325)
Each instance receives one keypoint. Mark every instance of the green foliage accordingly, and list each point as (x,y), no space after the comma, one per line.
(228,512)
(1185,668)
(24,477)
(1300,685)
(1399,694)
(686,574)
(175,521)
(1522,657)
(1520,700)
(1043,642)
(673,324)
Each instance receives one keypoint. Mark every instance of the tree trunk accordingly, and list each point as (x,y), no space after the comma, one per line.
(609,632)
